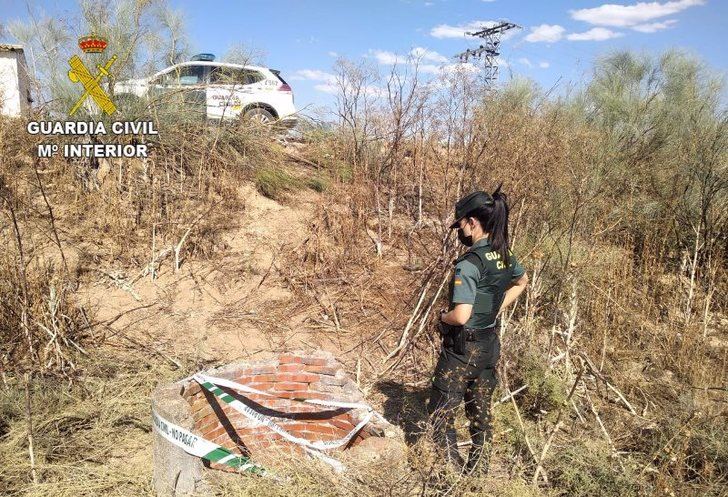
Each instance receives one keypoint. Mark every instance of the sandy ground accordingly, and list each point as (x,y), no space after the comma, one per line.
(214,310)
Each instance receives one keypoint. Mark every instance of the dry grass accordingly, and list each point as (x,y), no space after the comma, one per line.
(607,215)
(92,434)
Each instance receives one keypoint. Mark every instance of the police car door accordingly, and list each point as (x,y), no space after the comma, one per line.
(231,89)
(182,87)
(223,98)
(218,95)
(254,90)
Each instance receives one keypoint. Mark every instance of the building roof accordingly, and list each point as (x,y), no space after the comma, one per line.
(6,47)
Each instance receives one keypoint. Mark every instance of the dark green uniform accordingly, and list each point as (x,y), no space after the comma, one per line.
(466,368)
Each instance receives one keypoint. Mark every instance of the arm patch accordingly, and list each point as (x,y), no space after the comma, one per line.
(465,282)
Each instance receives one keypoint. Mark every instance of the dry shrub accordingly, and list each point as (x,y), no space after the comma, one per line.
(66,219)
(586,468)
(273,182)
(618,205)
(41,327)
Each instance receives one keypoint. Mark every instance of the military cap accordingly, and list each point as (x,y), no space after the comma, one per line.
(468,204)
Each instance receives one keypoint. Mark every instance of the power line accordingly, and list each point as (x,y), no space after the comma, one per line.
(489,50)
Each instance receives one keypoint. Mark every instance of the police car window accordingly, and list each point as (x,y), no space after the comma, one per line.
(191,75)
(253,76)
(233,76)
(226,76)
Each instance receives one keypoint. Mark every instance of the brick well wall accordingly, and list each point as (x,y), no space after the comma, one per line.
(289,376)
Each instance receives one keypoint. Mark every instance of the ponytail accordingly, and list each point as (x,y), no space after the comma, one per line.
(494,220)
(498,225)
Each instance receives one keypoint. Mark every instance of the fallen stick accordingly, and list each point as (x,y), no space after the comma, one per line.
(599,375)
(300,159)
(333,310)
(510,395)
(423,317)
(178,247)
(599,420)
(619,394)
(578,414)
(523,428)
(413,317)
(150,267)
(29,424)
(121,283)
(557,426)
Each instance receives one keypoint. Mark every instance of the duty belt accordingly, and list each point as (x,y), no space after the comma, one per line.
(472,334)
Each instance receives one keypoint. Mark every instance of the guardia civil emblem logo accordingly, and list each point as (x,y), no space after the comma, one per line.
(91,83)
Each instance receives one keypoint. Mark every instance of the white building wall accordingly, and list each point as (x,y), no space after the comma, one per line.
(14,82)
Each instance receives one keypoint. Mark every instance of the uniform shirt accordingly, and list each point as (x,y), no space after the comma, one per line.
(467,275)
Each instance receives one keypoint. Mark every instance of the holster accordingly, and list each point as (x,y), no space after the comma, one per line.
(453,336)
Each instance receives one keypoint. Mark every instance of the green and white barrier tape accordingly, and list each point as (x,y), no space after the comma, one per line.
(213,384)
(210,451)
(222,382)
(204,449)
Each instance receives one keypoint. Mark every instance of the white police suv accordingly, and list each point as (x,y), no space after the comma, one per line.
(226,91)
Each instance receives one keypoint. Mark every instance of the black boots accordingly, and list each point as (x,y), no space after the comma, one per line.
(478,459)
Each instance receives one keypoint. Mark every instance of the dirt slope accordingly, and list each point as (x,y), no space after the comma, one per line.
(214,310)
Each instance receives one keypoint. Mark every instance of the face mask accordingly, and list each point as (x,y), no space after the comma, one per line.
(465,240)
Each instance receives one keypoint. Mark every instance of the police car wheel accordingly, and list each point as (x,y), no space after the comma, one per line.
(258,115)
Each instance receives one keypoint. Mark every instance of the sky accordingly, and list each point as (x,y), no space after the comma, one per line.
(556,45)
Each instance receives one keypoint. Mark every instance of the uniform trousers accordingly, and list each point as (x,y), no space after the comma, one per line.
(469,377)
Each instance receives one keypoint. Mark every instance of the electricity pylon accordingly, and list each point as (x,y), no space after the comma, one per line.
(489,49)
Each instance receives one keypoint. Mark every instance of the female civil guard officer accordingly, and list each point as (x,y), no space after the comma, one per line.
(487,279)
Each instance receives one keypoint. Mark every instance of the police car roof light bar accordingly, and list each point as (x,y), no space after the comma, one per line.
(203,57)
